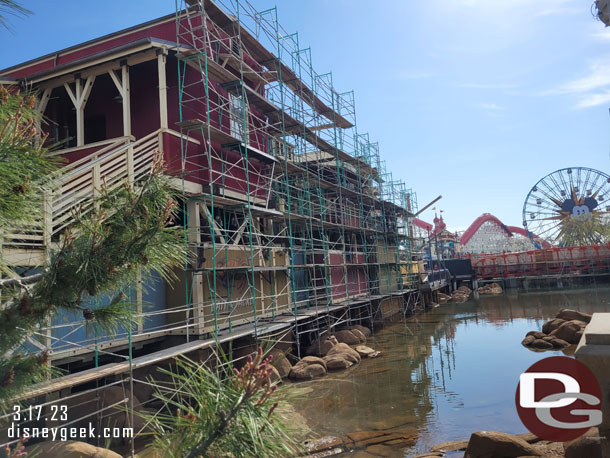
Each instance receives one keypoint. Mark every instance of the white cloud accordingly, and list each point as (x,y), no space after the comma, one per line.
(593,100)
(603,34)
(490,106)
(592,89)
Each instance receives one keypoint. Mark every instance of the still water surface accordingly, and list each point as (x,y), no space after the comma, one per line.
(444,374)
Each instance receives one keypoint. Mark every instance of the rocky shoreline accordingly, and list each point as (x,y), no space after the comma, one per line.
(564,330)
(487,444)
(336,350)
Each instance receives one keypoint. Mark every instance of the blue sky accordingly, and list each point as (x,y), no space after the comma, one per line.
(472,99)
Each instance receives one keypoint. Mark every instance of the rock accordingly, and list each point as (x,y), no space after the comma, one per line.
(304,371)
(530,438)
(443,298)
(321,346)
(347,337)
(364,351)
(492,288)
(381,450)
(149,374)
(359,334)
(459,297)
(567,331)
(85,405)
(275,375)
(337,362)
(280,362)
(429,455)
(363,454)
(363,329)
(587,445)
(488,444)
(541,344)
(558,343)
(323,443)
(312,360)
(464,289)
(344,349)
(580,323)
(536,334)
(570,315)
(69,449)
(550,326)
(452,446)
(528,340)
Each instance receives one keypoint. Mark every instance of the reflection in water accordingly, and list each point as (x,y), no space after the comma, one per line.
(446,373)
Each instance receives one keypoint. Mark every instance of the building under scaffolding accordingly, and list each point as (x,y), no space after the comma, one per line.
(294,223)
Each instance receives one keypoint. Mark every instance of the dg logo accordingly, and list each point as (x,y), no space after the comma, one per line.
(558,399)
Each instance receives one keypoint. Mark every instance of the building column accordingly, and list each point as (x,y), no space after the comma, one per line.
(122,85)
(161,61)
(194,239)
(79,98)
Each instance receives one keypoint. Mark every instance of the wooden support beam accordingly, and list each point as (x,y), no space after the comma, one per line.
(41,105)
(194,239)
(79,99)
(122,85)
(161,61)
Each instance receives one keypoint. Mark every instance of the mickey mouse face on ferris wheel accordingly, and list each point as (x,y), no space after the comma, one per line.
(582,208)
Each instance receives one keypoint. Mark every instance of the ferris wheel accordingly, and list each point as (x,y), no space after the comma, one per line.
(568,207)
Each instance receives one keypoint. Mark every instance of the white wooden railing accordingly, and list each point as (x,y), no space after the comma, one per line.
(75,186)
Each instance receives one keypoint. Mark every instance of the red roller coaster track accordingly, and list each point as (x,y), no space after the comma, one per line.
(510,230)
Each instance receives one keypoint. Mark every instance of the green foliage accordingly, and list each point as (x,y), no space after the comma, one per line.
(23,160)
(13,8)
(101,253)
(124,232)
(209,414)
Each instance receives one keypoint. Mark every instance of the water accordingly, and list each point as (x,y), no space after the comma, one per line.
(443,374)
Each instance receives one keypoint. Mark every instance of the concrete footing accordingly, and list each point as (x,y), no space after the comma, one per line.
(594,351)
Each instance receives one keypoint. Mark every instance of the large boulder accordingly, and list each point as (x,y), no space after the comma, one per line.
(366,352)
(528,340)
(588,446)
(321,346)
(570,315)
(84,407)
(490,444)
(556,342)
(274,376)
(343,349)
(337,362)
(304,371)
(359,334)
(536,334)
(363,329)
(280,363)
(347,337)
(69,449)
(568,331)
(550,326)
(312,360)
(459,297)
(541,344)
(464,289)
(492,288)
(443,298)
